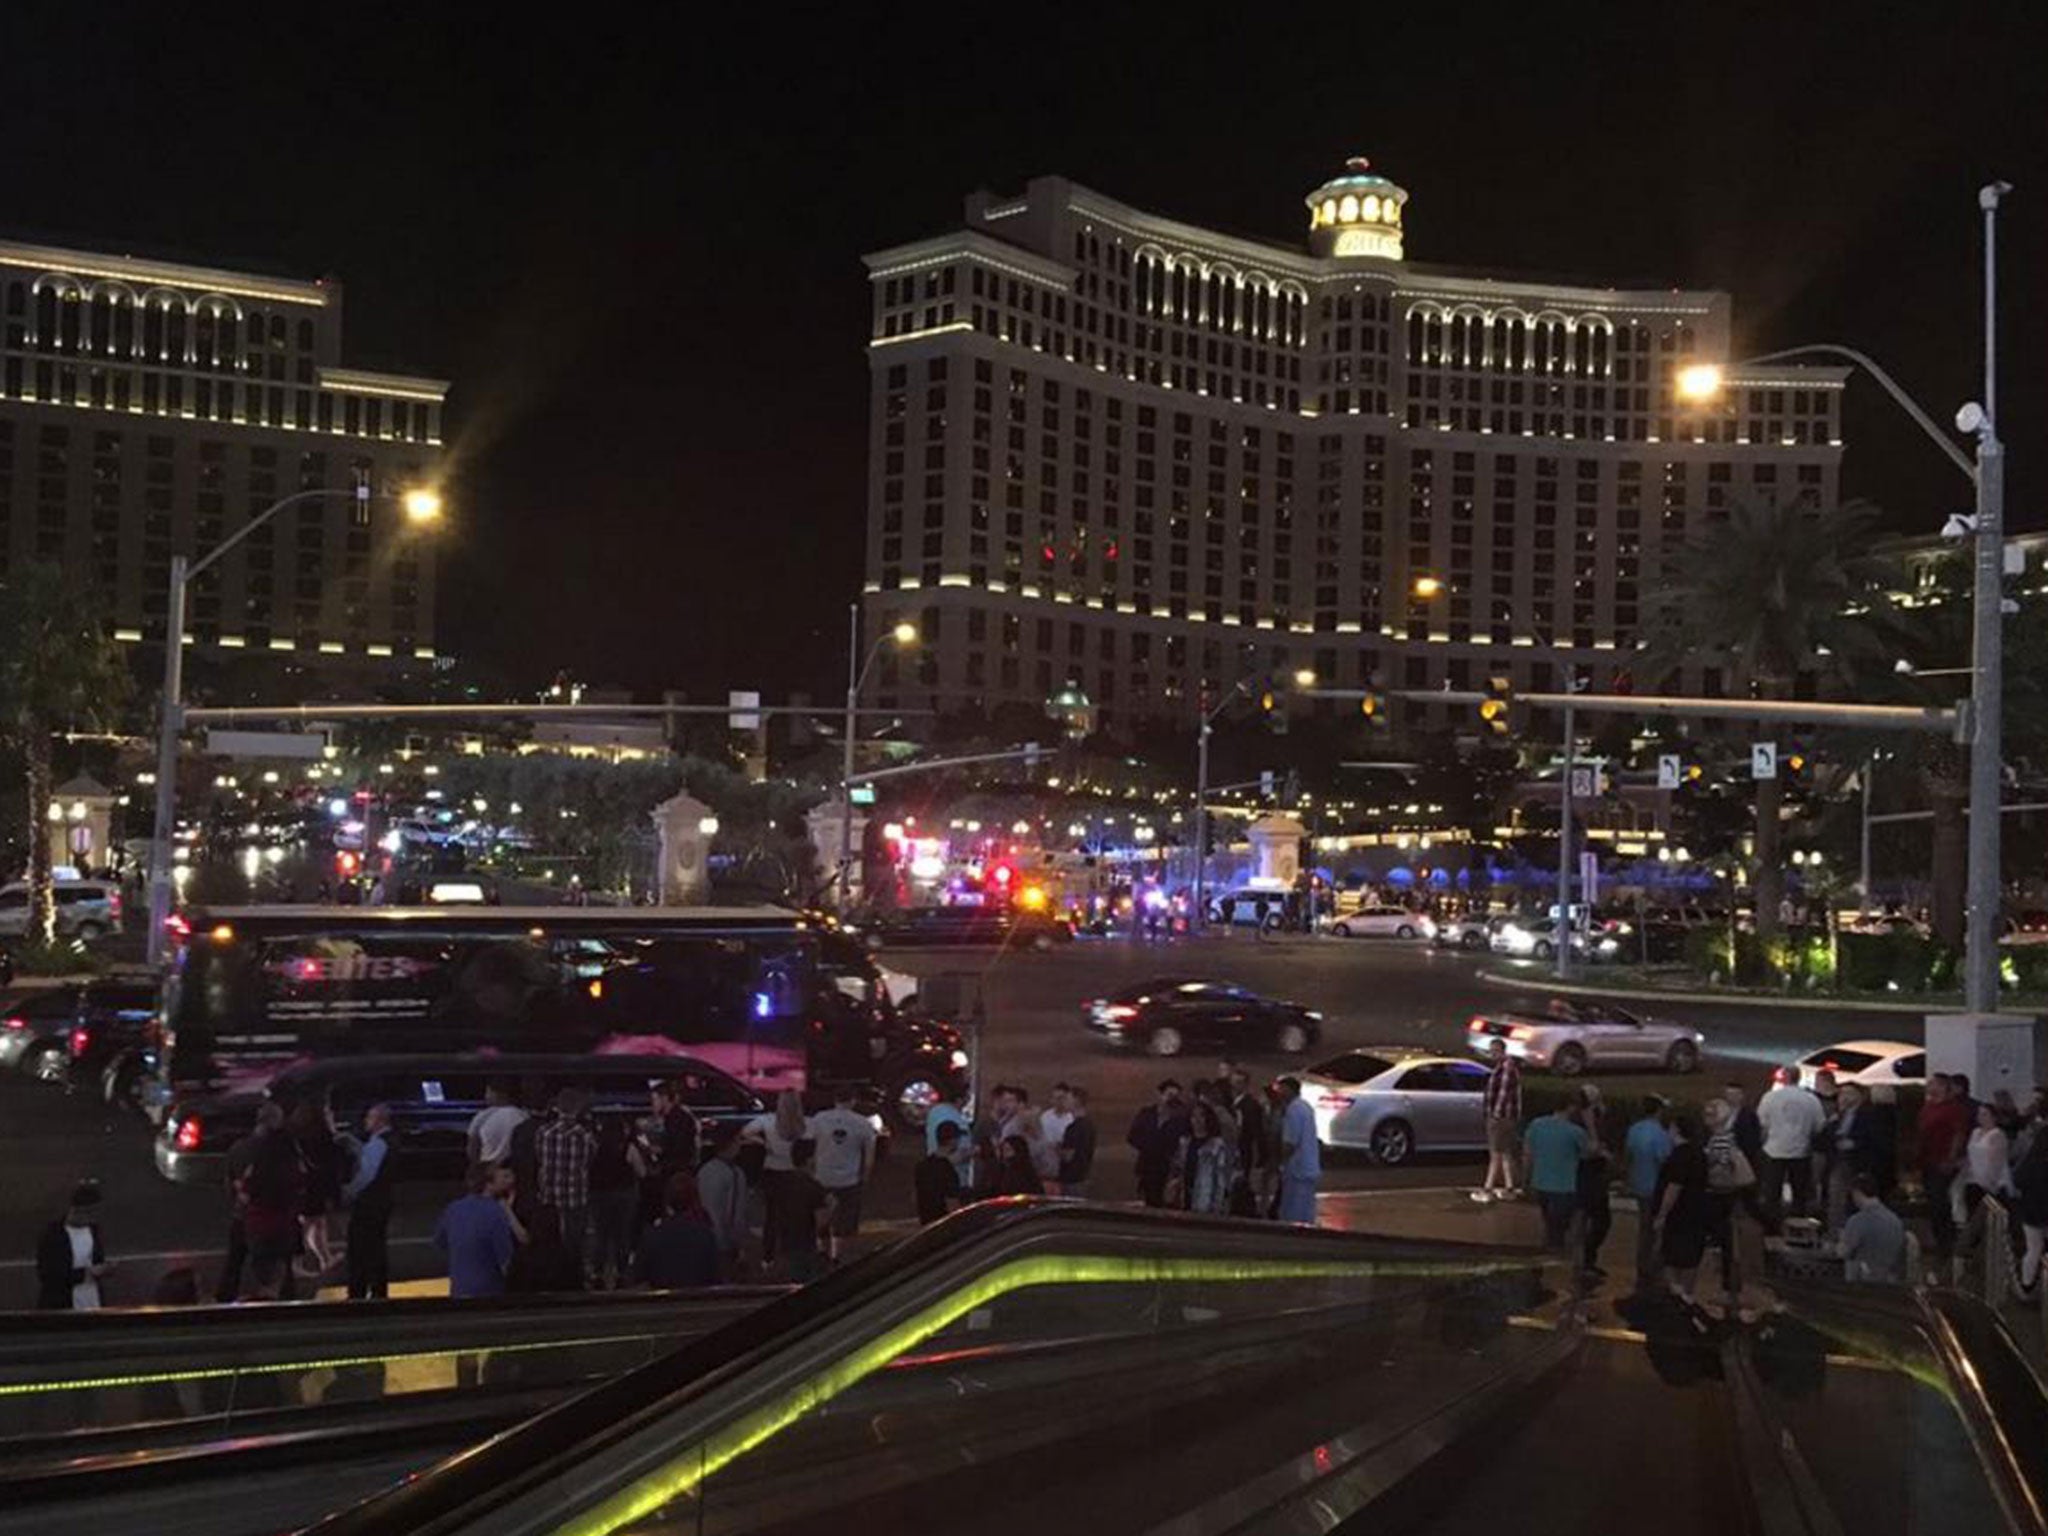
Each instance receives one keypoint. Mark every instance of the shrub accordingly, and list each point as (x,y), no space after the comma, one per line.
(66,957)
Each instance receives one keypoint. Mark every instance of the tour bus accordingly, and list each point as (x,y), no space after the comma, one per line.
(749,990)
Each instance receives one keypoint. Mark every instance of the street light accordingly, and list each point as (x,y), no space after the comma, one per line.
(420,504)
(1428,586)
(904,635)
(1304,677)
(1987,661)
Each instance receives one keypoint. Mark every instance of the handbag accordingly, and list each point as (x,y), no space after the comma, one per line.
(1733,1175)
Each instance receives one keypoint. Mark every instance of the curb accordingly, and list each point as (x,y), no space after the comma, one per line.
(1724,999)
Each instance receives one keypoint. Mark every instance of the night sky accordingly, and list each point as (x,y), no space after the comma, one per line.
(635,245)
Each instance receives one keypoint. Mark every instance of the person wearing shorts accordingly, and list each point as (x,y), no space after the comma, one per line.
(1503,1123)
(845,1142)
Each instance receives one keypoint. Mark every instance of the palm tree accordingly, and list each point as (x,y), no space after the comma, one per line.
(1778,594)
(58,669)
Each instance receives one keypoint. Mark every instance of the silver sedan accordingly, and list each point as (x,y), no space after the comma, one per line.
(1395,1101)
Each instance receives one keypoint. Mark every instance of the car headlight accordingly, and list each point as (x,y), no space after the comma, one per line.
(959,1059)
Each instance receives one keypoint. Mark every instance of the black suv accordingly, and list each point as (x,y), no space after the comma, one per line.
(112,1043)
(433,1098)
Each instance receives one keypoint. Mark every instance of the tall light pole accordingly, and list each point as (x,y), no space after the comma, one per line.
(904,634)
(1987,653)
(421,506)
(1986,474)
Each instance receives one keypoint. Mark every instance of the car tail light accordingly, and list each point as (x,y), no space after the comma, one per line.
(1327,1100)
(81,1040)
(14,1021)
(1120,1011)
(113,903)
(1521,1032)
(1476,1027)
(186,1138)
(176,926)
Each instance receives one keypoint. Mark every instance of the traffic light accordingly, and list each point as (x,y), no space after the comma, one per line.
(1493,709)
(1374,708)
(1273,708)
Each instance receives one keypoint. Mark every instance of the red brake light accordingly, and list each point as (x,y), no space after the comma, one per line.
(114,903)
(81,1040)
(176,926)
(1120,1011)
(187,1137)
(13,1021)
(1477,1026)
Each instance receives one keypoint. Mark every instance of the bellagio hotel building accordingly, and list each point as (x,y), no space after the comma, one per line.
(150,408)
(1117,452)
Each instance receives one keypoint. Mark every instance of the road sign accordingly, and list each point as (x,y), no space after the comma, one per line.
(1589,878)
(1670,770)
(745,710)
(1266,781)
(1585,783)
(1763,760)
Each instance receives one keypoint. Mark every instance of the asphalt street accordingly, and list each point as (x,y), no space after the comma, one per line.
(1370,992)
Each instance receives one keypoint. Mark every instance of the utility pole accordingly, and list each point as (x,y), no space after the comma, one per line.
(1987,661)
(1863,866)
(1563,930)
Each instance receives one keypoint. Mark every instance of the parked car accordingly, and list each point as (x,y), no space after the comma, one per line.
(1572,1037)
(86,909)
(1270,910)
(1470,931)
(1376,922)
(1172,1014)
(1395,1101)
(1867,1063)
(35,1032)
(1888,922)
(434,1097)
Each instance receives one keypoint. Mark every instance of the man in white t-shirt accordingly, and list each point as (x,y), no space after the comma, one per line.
(491,1128)
(70,1258)
(1053,1123)
(1791,1117)
(845,1156)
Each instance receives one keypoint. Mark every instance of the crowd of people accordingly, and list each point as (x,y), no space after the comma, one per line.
(1724,1175)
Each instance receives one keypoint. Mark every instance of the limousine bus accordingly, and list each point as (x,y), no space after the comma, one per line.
(751,991)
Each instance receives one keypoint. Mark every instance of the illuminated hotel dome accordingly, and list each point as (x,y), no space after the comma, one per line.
(1356,214)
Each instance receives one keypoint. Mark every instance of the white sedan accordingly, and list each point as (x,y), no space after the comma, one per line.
(1868,1064)
(1395,1101)
(1376,922)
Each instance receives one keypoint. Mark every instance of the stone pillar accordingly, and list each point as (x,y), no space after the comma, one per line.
(684,827)
(1276,850)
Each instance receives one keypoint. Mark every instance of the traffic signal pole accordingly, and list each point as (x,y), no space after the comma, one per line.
(1564,843)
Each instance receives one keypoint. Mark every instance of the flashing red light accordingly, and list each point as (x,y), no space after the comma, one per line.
(347,862)
(187,1137)
(14,1021)
(177,927)
(81,1041)
(114,904)
(1002,874)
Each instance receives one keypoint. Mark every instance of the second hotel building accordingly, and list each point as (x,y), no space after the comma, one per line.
(1118,452)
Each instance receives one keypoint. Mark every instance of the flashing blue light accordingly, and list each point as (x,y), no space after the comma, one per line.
(762,1005)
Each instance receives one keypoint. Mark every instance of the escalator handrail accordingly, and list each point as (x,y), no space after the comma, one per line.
(806,1327)
(76,1346)
(2001,1399)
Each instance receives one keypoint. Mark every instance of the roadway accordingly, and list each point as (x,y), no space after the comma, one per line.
(1370,992)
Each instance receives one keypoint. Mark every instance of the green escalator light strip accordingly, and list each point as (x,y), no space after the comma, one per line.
(683,1474)
(280,1367)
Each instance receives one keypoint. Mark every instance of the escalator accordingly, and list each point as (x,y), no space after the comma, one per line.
(1127,1372)
(1114,1371)
(216,1419)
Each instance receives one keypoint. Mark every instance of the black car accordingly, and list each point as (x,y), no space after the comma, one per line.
(922,927)
(433,1098)
(1172,1014)
(35,1032)
(113,1036)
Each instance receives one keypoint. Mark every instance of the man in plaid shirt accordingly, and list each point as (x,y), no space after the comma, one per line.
(562,1150)
(1503,1123)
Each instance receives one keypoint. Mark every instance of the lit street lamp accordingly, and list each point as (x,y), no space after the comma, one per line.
(421,505)
(905,636)
(1704,381)
(1428,586)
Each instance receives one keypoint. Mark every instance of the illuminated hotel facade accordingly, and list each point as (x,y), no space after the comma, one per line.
(148,408)
(1116,451)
